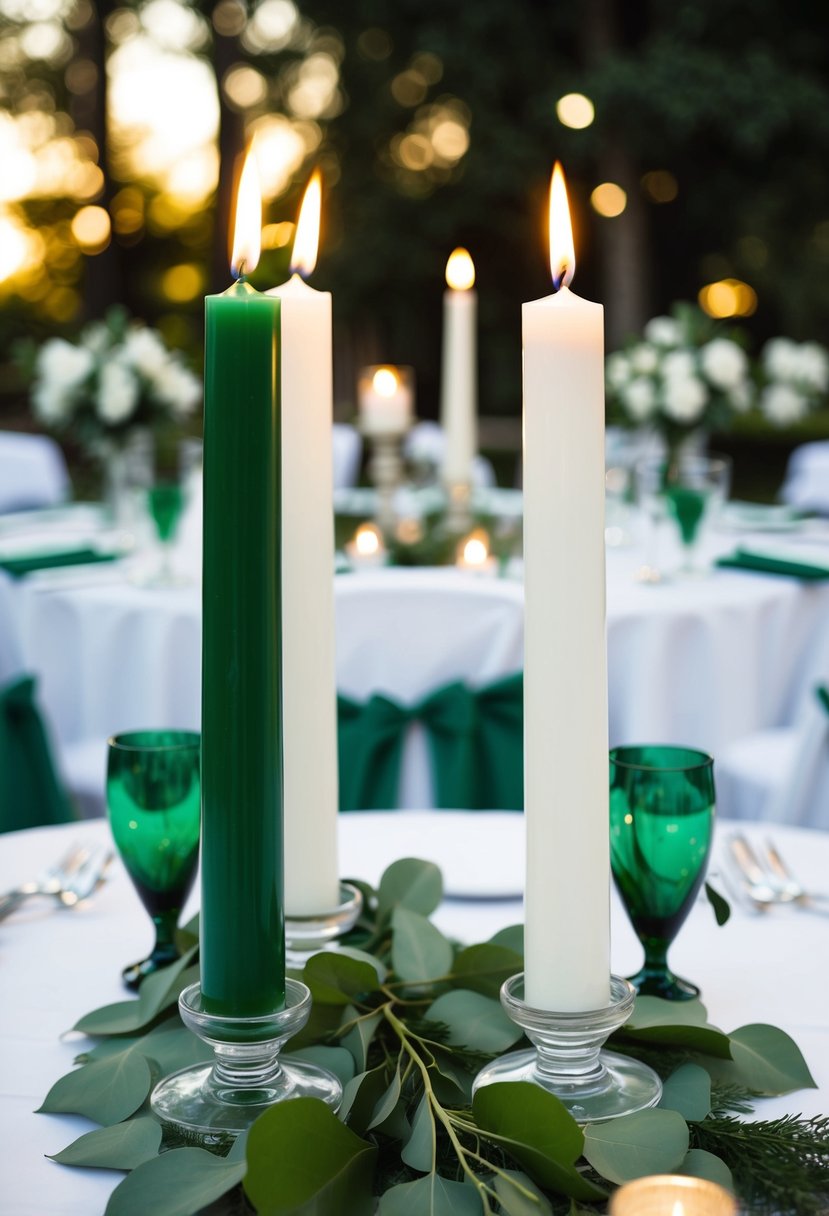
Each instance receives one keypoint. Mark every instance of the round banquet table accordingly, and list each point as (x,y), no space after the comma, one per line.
(703,661)
(57,965)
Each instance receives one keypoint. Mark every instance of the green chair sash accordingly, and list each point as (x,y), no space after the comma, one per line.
(822,694)
(30,793)
(475,745)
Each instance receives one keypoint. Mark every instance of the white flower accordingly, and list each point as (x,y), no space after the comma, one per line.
(640,398)
(780,358)
(678,365)
(144,350)
(117,394)
(52,404)
(177,387)
(783,404)
(685,398)
(813,367)
(643,359)
(97,338)
(740,397)
(663,331)
(65,365)
(724,363)
(617,369)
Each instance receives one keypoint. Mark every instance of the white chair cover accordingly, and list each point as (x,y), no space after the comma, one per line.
(347,453)
(806,485)
(32,472)
(426,442)
(406,637)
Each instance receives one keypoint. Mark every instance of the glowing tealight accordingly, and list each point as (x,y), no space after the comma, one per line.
(368,540)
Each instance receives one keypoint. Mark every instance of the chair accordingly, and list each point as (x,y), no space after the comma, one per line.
(806,485)
(30,792)
(781,774)
(426,443)
(32,472)
(347,454)
(411,647)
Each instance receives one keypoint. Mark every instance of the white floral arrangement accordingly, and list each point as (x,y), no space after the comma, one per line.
(795,379)
(119,375)
(683,374)
(687,373)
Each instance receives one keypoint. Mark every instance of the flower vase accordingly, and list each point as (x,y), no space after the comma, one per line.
(127,473)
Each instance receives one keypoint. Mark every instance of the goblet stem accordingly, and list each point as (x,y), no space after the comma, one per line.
(656,978)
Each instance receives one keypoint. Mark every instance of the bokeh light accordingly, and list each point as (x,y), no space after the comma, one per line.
(91,228)
(608,200)
(728,298)
(575,110)
(660,186)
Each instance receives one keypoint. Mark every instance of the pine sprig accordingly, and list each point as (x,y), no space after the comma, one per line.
(779,1165)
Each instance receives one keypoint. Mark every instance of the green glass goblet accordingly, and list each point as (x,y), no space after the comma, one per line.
(166,503)
(153,800)
(661,824)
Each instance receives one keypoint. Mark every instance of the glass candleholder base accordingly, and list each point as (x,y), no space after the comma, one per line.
(214,1103)
(567,1057)
(307,935)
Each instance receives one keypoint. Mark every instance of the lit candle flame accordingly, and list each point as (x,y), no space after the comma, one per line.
(679,1208)
(475,549)
(460,270)
(367,540)
(385,381)
(562,253)
(247,228)
(307,239)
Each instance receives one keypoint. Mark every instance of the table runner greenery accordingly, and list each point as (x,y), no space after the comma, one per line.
(406,1017)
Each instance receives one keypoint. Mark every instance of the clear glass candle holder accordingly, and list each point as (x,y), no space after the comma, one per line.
(666,1194)
(307,935)
(567,1057)
(216,1102)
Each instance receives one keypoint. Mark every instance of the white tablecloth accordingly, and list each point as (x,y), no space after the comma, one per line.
(58,965)
(702,662)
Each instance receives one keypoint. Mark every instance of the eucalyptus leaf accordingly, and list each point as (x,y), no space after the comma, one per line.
(323,1022)
(765,1060)
(419,951)
(474,1021)
(688,1091)
(513,1201)
(178,1183)
(512,937)
(648,1142)
(161,989)
(485,967)
(106,1090)
(410,883)
(335,1059)
(699,1163)
(430,1196)
(681,1024)
(451,1082)
(419,1150)
(364,957)
(303,1160)
(361,1095)
(721,906)
(358,1039)
(386,1103)
(122,1147)
(654,1011)
(533,1127)
(336,978)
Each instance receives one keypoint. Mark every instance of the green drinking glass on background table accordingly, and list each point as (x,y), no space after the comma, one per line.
(166,503)
(661,825)
(153,800)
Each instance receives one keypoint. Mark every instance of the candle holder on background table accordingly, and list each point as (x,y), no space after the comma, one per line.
(458,507)
(567,1057)
(307,935)
(217,1102)
(385,397)
(386,471)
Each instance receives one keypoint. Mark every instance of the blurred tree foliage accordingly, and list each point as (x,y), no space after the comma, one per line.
(712,114)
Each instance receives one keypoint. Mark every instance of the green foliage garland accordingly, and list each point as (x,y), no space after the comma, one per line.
(405,1017)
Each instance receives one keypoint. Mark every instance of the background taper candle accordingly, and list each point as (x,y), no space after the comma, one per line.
(567,900)
(242,928)
(459,370)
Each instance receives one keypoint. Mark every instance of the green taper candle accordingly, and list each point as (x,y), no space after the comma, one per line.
(242,920)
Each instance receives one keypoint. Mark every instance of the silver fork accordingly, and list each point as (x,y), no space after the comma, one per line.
(53,881)
(772,883)
(87,879)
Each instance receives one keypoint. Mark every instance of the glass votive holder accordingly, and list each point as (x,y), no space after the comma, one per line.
(385,399)
(672,1195)
(473,554)
(366,549)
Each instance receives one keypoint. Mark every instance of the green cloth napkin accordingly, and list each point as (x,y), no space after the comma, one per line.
(768,563)
(30,794)
(822,694)
(475,743)
(17,567)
